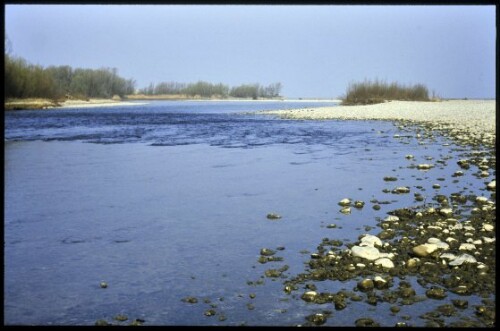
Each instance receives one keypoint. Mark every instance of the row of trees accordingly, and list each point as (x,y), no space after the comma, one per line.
(24,80)
(205,89)
(369,92)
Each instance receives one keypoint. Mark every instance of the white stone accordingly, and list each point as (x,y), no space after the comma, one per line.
(467,247)
(402,189)
(370,240)
(448,256)
(440,244)
(492,185)
(488,240)
(446,211)
(488,227)
(346,210)
(309,295)
(385,263)
(464,258)
(345,202)
(450,239)
(433,240)
(391,218)
(425,249)
(360,265)
(424,166)
(388,255)
(366,252)
(481,199)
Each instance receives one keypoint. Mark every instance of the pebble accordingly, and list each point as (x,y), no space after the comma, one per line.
(446,212)
(440,244)
(385,263)
(448,256)
(481,200)
(267,252)
(273,216)
(424,166)
(345,210)
(366,285)
(464,258)
(317,319)
(401,190)
(359,204)
(391,218)
(467,247)
(425,249)
(436,293)
(492,185)
(309,296)
(345,202)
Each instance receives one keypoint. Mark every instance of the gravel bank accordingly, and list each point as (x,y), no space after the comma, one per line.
(474,116)
(94,103)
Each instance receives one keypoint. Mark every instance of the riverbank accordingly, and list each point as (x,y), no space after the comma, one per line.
(39,103)
(469,119)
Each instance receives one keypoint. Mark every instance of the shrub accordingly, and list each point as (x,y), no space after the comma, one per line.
(369,92)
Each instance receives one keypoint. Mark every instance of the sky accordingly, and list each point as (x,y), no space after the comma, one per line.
(314,51)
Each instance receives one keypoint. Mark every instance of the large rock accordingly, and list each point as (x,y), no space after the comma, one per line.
(464,258)
(370,240)
(385,263)
(366,252)
(440,244)
(424,250)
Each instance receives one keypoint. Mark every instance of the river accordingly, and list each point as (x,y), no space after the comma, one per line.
(169,200)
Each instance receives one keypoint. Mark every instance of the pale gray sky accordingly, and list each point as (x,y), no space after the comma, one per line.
(314,51)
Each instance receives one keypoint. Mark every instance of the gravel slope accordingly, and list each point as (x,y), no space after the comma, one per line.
(473,116)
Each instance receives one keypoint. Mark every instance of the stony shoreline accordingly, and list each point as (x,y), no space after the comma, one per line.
(476,118)
(447,245)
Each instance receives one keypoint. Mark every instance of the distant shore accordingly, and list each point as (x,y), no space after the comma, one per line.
(39,103)
(477,117)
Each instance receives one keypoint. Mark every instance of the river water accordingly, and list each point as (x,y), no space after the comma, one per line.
(169,200)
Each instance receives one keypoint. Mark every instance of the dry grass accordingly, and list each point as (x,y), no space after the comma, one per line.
(31,103)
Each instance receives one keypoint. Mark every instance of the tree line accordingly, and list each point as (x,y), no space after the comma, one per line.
(25,80)
(206,89)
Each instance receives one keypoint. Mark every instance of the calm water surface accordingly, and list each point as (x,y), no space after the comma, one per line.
(170,199)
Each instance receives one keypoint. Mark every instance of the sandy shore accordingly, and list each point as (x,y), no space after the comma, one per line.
(97,103)
(475,117)
(39,103)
